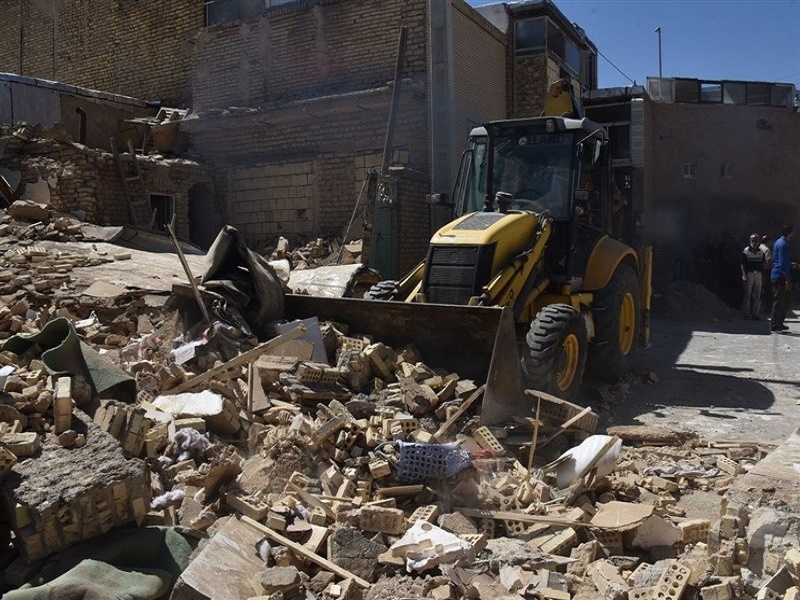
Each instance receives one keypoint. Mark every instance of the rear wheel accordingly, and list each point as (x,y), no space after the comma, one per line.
(383,290)
(616,323)
(556,356)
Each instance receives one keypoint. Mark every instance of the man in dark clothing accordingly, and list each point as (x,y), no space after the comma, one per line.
(752,265)
(781,277)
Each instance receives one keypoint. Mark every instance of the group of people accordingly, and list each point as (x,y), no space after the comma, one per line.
(760,262)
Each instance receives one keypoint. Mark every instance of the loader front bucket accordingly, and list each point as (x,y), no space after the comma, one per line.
(478,343)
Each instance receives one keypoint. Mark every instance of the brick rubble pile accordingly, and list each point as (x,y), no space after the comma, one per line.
(367,475)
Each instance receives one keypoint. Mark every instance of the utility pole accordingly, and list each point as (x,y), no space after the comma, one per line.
(658,31)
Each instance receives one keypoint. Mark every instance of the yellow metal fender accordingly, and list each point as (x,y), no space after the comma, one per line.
(607,255)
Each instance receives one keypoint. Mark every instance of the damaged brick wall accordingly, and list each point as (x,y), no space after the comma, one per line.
(301,178)
(303,51)
(82,179)
(140,49)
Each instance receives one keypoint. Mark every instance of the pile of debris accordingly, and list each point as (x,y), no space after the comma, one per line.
(323,463)
(316,253)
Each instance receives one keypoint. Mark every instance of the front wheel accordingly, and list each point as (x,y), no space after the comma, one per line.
(616,321)
(556,356)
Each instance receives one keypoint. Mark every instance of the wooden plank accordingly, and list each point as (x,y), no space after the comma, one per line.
(457,415)
(240,360)
(186,269)
(401,490)
(313,500)
(307,554)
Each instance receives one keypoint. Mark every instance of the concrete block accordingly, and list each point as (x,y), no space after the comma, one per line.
(792,559)
(729,466)
(62,405)
(488,441)
(379,468)
(384,520)
(608,580)
(694,530)
(719,591)
(424,513)
(247,504)
(673,582)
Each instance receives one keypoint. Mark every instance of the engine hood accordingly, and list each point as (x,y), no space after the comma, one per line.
(484,228)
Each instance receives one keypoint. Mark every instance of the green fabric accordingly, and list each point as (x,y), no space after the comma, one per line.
(97,580)
(63,353)
(139,556)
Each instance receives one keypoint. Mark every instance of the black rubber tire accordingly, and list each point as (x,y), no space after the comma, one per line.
(608,360)
(546,350)
(383,290)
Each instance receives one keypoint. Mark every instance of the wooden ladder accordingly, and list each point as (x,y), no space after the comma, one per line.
(136,196)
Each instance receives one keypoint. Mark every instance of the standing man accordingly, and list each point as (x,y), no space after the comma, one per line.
(781,277)
(766,287)
(752,265)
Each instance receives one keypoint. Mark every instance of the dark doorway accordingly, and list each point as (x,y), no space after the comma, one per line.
(163,209)
(205,218)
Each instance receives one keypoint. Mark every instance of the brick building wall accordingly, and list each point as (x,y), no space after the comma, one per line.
(141,48)
(692,214)
(324,47)
(479,75)
(83,179)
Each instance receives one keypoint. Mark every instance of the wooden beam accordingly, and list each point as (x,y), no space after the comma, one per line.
(307,554)
(442,431)
(312,500)
(195,290)
(240,360)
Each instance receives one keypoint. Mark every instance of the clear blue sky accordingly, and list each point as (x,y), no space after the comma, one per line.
(752,40)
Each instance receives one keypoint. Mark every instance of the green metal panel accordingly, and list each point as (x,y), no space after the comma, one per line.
(383,243)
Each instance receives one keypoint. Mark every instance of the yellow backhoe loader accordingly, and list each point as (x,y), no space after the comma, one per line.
(530,278)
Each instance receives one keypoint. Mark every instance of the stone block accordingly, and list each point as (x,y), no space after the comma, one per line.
(351,550)
(280,579)
(7,461)
(217,570)
(21,444)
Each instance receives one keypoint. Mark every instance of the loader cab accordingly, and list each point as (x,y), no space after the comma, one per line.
(550,166)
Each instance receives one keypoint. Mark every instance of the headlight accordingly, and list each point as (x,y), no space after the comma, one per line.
(550,126)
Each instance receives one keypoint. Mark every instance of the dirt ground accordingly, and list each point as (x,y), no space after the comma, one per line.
(725,380)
